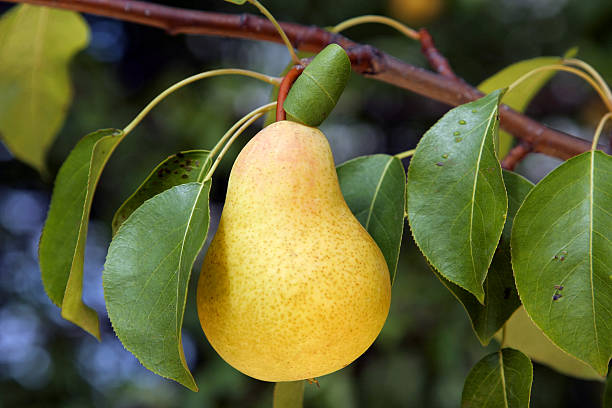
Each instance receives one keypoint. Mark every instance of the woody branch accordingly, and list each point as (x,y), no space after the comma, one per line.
(365,59)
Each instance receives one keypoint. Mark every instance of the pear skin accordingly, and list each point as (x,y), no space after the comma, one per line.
(292,286)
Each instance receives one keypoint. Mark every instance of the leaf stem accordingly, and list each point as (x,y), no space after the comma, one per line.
(405,154)
(581,74)
(232,133)
(351,22)
(592,71)
(503,340)
(194,78)
(280,30)
(600,127)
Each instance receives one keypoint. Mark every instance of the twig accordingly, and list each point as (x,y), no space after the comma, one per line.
(365,59)
(284,88)
(515,155)
(435,58)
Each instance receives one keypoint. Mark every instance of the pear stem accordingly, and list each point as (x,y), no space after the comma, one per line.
(557,67)
(284,89)
(194,78)
(288,394)
(233,133)
(600,127)
(405,154)
(351,22)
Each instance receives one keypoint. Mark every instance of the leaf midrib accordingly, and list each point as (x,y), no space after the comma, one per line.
(182,251)
(473,201)
(376,191)
(44,12)
(503,377)
(591,199)
(180,263)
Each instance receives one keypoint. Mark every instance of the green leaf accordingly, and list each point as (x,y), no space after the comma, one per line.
(500,379)
(501,297)
(522,334)
(317,90)
(181,168)
(519,97)
(561,252)
(238,2)
(36,45)
(146,275)
(62,243)
(456,198)
(374,188)
(288,394)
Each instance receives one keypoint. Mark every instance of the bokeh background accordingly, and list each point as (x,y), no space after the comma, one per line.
(426,347)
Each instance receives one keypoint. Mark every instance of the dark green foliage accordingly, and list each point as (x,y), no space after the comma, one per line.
(457,203)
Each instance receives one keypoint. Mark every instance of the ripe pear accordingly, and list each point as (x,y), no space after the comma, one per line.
(292,286)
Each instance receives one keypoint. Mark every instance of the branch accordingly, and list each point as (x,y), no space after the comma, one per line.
(436,60)
(366,60)
(518,153)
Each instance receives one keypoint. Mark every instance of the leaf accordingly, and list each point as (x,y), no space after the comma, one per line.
(456,198)
(288,394)
(501,297)
(561,252)
(519,97)
(36,46)
(374,188)
(146,275)
(238,2)
(62,243)
(500,379)
(316,91)
(181,168)
(522,334)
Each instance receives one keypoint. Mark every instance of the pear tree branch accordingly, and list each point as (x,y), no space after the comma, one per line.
(518,153)
(436,60)
(365,59)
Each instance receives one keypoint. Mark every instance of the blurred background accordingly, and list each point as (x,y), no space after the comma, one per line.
(427,346)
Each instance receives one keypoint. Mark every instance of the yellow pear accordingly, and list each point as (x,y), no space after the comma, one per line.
(522,334)
(292,286)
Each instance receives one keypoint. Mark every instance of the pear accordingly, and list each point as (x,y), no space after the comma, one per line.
(292,286)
